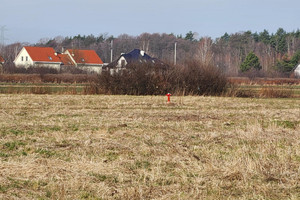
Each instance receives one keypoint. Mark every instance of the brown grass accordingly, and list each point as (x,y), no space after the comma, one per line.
(48,78)
(135,147)
(264,81)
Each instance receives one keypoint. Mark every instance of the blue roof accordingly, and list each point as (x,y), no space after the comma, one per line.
(135,55)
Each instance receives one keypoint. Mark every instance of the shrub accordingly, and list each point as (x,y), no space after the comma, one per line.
(197,78)
(270,92)
(194,78)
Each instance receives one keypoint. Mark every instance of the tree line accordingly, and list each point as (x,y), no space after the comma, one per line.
(276,52)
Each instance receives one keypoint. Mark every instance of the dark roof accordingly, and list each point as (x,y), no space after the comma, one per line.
(136,56)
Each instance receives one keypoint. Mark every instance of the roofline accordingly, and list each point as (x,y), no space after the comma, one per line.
(35,62)
(89,64)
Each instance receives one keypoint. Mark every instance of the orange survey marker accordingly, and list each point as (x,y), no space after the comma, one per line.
(168,95)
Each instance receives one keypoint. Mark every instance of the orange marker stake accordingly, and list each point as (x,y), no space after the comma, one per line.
(168,95)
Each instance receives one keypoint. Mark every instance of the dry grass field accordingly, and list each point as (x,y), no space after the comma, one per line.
(137,147)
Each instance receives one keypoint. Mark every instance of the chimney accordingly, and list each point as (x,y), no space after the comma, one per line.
(142,52)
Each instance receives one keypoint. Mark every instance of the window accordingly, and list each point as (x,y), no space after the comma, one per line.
(123,63)
(22,58)
(26,58)
(50,58)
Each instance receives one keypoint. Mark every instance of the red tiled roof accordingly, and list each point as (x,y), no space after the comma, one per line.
(2,60)
(42,54)
(85,56)
(65,59)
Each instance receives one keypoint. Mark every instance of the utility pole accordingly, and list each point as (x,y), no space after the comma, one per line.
(111,50)
(2,37)
(175,48)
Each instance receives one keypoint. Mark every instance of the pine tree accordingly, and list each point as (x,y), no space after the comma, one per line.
(251,61)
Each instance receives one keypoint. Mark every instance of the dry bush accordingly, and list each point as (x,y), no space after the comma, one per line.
(263,81)
(234,91)
(273,92)
(40,90)
(193,78)
(200,79)
(20,78)
(11,69)
(69,78)
(137,79)
(48,78)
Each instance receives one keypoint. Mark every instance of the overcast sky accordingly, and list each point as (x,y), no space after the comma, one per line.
(32,20)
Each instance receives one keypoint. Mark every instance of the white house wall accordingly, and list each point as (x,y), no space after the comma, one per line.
(23,59)
(47,65)
(297,71)
(92,68)
(119,65)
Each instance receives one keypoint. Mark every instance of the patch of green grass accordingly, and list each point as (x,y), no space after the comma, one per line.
(3,188)
(89,195)
(111,156)
(287,124)
(45,152)
(3,155)
(104,177)
(74,127)
(13,145)
(142,164)
(55,128)
(16,131)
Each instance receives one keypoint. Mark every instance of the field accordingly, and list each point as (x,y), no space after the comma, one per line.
(140,147)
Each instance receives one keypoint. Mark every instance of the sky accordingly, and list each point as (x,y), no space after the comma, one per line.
(32,20)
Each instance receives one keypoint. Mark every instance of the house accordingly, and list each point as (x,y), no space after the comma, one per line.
(65,59)
(38,56)
(87,60)
(297,71)
(1,64)
(135,56)
(1,60)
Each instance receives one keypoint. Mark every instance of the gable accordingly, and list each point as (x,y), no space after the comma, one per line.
(84,56)
(65,59)
(136,56)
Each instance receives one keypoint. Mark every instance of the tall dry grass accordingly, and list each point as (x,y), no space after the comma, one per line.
(136,147)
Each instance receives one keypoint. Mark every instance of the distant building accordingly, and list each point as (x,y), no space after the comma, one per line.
(38,56)
(135,56)
(2,61)
(87,60)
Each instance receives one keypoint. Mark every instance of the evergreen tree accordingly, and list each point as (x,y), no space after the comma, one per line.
(251,61)
(278,41)
(265,37)
(287,64)
(189,36)
(225,37)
